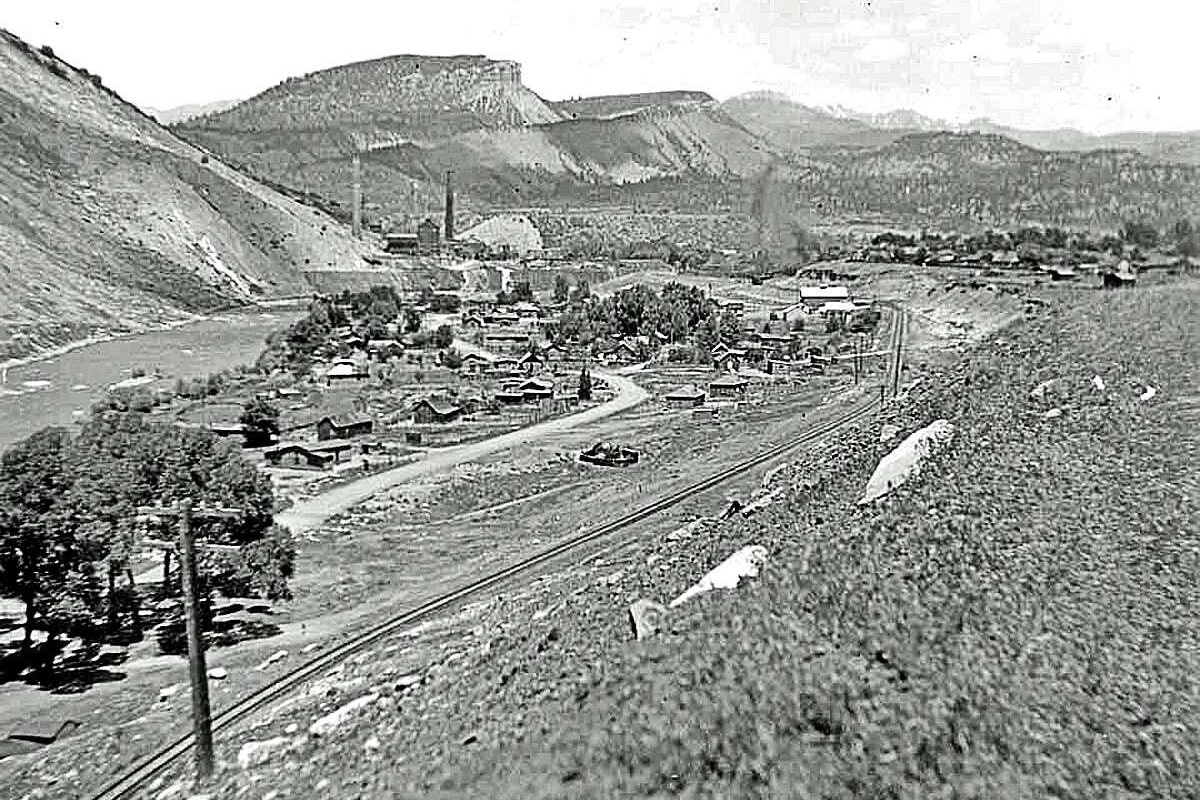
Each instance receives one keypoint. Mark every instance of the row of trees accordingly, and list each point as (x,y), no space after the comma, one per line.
(69,529)
(680,313)
(1182,237)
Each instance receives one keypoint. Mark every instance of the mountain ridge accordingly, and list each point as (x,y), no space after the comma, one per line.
(113,223)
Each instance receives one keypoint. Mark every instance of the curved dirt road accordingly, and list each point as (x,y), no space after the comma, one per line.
(311,513)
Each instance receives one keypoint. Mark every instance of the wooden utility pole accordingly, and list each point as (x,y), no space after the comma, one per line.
(201,713)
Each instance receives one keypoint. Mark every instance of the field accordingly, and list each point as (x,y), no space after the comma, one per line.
(1019,621)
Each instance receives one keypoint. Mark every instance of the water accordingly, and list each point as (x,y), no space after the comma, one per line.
(60,390)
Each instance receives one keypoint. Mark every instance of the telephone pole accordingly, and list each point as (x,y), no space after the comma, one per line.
(187,546)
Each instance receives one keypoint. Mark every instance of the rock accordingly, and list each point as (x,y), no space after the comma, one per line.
(204,796)
(471,738)
(372,744)
(252,754)
(278,655)
(905,461)
(174,790)
(1040,391)
(1148,395)
(406,682)
(218,673)
(1098,383)
(646,617)
(291,728)
(888,432)
(329,723)
(1053,413)
(167,692)
(745,563)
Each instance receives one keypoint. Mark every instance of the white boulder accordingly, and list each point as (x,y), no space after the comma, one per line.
(336,719)
(905,461)
(745,563)
(251,754)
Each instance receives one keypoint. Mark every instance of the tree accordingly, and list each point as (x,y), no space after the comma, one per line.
(451,359)
(522,292)
(443,337)
(412,320)
(38,553)
(585,384)
(261,421)
(583,291)
(562,289)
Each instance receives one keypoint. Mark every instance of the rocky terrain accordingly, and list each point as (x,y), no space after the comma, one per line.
(108,222)
(419,116)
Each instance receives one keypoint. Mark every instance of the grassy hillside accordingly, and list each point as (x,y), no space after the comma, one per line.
(112,222)
(1018,622)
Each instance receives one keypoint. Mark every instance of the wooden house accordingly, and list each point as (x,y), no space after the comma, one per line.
(435,411)
(728,386)
(688,396)
(336,427)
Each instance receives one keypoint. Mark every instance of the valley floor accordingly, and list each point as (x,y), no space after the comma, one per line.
(1020,621)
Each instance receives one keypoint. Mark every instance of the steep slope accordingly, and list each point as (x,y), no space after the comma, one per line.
(987,179)
(1181,147)
(793,126)
(419,116)
(109,222)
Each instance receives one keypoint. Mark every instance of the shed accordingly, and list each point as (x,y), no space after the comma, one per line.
(728,386)
(819,295)
(688,396)
(305,457)
(344,369)
(335,427)
(432,410)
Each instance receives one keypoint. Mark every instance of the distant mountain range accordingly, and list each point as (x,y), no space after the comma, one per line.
(172,116)
(790,123)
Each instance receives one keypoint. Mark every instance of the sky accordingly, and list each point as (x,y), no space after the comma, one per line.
(1095,65)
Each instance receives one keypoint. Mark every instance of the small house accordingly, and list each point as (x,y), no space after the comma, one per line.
(475,363)
(816,296)
(688,396)
(536,389)
(504,365)
(335,427)
(401,243)
(554,353)
(728,386)
(345,370)
(705,413)
(435,411)
(473,321)
(299,456)
(530,363)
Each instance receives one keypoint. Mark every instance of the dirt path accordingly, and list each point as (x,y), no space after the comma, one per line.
(311,513)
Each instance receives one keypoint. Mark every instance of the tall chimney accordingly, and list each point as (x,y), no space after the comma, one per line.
(449,207)
(356,198)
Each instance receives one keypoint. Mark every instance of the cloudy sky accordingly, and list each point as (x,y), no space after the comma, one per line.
(1092,64)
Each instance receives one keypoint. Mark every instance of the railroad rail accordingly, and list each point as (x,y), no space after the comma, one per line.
(129,783)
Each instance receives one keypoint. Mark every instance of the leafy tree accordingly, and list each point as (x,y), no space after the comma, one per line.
(562,289)
(1139,234)
(522,292)
(585,384)
(412,320)
(261,421)
(443,337)
(451,359)
(38,554)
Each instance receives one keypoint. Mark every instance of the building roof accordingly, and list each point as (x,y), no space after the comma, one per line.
(345,420)
(440,406)
(536,383)
(824,293)
(730,381)
(689,392)
(343,369)
(839,306)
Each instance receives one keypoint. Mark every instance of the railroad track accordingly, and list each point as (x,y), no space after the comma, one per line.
(129,783)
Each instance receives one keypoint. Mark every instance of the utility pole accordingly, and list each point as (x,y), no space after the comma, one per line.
(201,712)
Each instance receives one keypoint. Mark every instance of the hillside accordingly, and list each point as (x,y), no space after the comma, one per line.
(793,126)
(618,104)
(420,116)
(987,179)
(110,222)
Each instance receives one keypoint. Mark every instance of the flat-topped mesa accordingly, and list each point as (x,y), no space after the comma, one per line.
(421,95)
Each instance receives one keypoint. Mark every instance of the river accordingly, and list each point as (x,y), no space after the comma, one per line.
(60,389)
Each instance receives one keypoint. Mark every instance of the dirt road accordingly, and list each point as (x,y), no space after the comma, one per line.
(311,513)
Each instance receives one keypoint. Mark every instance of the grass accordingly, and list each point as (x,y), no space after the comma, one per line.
(1020,621)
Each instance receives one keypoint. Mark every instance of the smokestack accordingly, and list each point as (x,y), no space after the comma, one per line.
(449,207)
(356,198)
